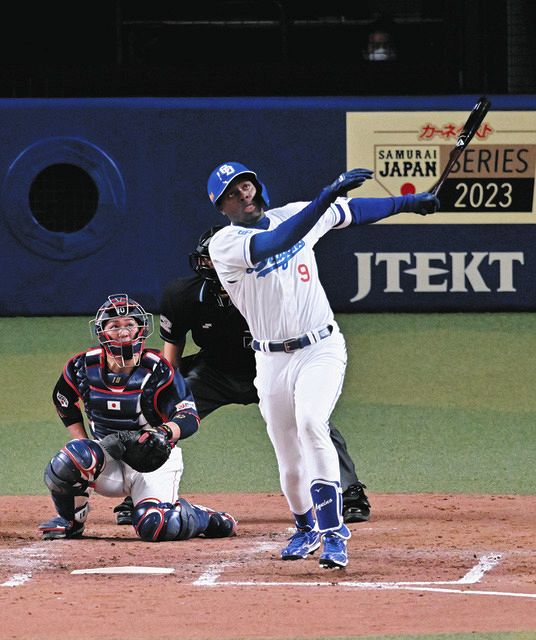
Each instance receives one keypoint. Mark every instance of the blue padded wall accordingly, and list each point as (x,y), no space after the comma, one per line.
(150,159)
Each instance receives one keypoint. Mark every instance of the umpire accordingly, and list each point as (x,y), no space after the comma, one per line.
(223,370)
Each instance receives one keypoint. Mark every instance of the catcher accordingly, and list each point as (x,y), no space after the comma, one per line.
(137,407)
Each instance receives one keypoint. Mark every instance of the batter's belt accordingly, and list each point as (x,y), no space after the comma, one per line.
(293,343)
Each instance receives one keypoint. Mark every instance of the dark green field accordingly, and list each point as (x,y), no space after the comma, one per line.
(432,403)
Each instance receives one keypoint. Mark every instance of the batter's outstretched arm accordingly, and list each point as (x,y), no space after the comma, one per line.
(269,243)
(367,210)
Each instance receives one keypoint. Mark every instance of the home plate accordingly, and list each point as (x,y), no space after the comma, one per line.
(124,570)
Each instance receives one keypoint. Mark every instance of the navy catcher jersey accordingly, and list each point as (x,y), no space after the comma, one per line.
(152,393)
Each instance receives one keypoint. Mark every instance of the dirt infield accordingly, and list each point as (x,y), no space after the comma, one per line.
(423,564)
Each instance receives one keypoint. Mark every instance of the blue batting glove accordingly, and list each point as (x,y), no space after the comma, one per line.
(349,180)
(422,203)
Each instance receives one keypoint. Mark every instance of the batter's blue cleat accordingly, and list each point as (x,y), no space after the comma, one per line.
(301,544)
(59,527)
(335,554)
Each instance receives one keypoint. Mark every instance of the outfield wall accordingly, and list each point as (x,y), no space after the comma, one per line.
(148,161)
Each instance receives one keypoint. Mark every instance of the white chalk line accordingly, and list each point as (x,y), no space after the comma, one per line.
(38,556)
(473,576)
(17,579)
(210,578)
(485,564)
(35,555)
(266,546)
(26,558)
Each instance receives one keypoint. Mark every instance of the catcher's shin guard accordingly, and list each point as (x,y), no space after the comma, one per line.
(69,476)
(159,521)
(220,524)
(74,468)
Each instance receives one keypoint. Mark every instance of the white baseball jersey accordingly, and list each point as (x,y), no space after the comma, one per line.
(280,297)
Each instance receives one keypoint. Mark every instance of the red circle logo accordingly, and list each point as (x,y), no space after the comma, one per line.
(407,188)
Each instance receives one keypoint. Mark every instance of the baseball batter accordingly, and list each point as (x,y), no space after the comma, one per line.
(222,371)
(265,261)
(138,407)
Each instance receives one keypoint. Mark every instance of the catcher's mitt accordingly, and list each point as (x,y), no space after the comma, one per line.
(144,450)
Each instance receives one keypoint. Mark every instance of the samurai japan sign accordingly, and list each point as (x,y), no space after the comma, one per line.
(491,183)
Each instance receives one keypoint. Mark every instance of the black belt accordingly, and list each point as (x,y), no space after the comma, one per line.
(293,343)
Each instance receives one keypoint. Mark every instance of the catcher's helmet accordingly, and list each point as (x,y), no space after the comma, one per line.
(119,305)
(225,173)
(200,259)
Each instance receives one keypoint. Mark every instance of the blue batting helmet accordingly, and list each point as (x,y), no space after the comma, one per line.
(225,173)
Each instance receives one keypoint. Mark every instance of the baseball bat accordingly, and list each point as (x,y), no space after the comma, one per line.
(474,120)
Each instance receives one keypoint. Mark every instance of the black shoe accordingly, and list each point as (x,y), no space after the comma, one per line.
(220,525)
(124,511)
(355,504)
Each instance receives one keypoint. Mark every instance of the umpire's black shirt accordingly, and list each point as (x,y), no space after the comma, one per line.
(194,304)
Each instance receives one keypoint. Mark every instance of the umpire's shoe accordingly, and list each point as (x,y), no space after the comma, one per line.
(124,511)
(301,544)
(355,504)
(59,527)
(335,554)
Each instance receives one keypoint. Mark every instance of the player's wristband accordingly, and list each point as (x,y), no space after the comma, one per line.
(168,431)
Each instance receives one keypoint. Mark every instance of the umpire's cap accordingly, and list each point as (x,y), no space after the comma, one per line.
(225,173)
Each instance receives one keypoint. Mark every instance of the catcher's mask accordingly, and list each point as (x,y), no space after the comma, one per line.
(119,305)
(222,176)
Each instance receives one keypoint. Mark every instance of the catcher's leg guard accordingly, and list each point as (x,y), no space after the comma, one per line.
(69,476)
(158,521)
(220,524)
(73,469)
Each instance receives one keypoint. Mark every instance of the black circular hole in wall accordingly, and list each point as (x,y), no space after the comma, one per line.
(63,198)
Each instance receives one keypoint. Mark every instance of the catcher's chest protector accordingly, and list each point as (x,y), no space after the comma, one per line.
(114,408)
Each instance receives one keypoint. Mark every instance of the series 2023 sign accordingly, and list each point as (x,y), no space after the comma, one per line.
(491,178)
(493,181)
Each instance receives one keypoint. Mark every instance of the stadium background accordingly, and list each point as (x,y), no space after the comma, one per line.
(114,113)
(102,106)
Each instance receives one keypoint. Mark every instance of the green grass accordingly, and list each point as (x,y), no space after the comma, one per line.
(432,402)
